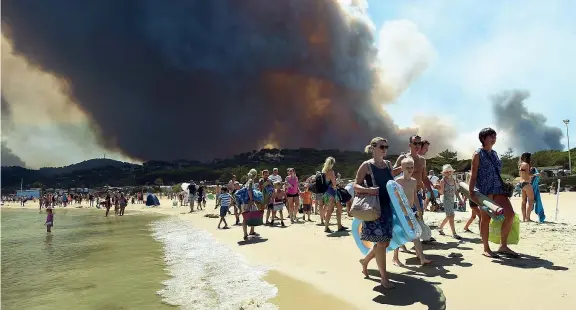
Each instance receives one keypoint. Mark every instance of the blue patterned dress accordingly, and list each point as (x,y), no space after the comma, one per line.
(488,176)
(379,230)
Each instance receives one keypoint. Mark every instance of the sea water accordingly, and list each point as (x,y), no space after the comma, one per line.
(206,274)
(130,262)
(87,262)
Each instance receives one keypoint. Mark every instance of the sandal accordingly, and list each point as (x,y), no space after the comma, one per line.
(455,236)
(441,232)
(468,231)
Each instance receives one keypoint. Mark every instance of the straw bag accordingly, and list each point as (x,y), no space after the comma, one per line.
(366,207)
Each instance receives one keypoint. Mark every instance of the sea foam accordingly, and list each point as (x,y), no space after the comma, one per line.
(206,274)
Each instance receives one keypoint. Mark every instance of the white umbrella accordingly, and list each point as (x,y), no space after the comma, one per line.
(185,186)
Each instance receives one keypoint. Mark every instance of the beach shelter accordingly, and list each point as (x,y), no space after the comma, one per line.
(152,200)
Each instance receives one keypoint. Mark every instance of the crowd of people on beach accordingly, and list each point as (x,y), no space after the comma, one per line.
(268,199)
(421,188)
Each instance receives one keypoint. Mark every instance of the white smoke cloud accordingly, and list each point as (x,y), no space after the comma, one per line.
(53,133)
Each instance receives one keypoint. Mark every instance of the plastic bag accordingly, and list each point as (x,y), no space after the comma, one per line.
(496,227)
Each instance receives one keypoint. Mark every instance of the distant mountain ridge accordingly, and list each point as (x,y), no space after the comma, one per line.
(102,171)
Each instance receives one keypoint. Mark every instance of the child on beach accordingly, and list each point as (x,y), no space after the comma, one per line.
(123,203)
(449,189)
(49,219)
(306,203)
(225,201)
(278,198)
(409,185)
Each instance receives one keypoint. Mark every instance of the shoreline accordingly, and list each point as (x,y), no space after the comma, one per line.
(309,267)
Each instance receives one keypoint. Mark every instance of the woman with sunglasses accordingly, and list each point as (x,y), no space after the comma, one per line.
(379,231)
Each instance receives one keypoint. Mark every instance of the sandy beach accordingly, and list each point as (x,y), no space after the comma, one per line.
(315,270)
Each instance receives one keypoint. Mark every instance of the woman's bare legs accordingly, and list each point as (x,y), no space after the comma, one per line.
(296,204)
(527,202)
(471,220)
(380,251)
(484,229)
(366,260)
(290,201)
(504,202)
(329,210)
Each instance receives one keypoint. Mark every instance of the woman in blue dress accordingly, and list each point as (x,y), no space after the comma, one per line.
(485,179)
(380,230)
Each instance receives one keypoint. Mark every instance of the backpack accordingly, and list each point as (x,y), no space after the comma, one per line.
(320,185)
(344,195)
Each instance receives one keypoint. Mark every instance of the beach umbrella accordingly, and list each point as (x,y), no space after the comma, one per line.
(185,186)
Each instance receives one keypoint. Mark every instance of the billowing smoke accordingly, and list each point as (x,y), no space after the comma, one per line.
(8,157)
(203,79)
(527,131)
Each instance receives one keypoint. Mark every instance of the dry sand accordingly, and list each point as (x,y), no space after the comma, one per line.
(315,270)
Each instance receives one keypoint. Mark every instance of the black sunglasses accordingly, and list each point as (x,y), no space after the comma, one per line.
(383,147)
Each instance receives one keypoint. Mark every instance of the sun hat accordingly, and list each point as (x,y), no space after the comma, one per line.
(447,168)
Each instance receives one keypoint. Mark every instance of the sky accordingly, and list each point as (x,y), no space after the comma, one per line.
(483,47)
(465,52)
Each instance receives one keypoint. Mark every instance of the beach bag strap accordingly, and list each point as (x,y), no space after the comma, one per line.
(373,180)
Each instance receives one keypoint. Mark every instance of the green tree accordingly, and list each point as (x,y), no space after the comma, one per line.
(159,181)
(447,157)
(508,155)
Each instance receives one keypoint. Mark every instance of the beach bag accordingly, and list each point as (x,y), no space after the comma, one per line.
(426,231)
(320,184)
(366,207)
(496,228)
(253,218)
(344,195)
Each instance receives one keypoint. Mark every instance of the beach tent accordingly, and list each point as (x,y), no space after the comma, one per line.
(152,200)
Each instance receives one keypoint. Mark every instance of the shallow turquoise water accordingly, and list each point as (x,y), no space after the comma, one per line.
(87,262)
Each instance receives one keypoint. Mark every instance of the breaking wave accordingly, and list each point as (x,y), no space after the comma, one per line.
(206,274)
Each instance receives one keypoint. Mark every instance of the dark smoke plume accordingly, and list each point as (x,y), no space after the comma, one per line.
(8,158)
(210,78)
(527,131)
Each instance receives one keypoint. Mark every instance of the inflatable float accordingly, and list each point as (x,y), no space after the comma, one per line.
(486,203)
(404,228)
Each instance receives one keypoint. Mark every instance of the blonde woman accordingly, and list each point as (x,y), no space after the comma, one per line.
(380,230)
(331,195)
(250,205)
